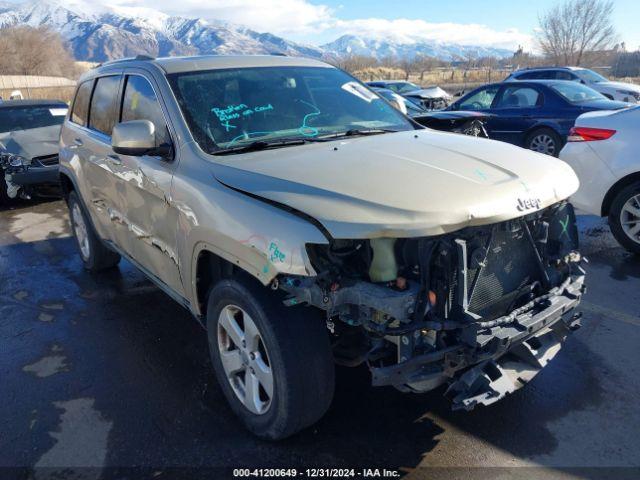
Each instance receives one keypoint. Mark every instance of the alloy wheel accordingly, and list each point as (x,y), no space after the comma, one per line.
(630,218)
(245,359)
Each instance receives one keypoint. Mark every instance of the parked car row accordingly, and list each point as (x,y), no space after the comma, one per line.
(467,123)
(534,108)
(535,114)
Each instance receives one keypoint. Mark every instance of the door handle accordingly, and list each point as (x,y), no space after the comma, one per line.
(114,160)
(77,141)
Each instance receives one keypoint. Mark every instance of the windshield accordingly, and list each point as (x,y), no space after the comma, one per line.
(590,76)
(25,118)
(230,108)
(403,87)
(577,93)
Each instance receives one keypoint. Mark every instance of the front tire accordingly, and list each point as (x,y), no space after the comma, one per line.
(624,218)
(544,140)
(273,363)
(94,254)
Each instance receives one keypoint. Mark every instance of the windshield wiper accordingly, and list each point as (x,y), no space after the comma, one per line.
(263,145)
(358,132)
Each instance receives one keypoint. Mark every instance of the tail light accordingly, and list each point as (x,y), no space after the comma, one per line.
(586,134)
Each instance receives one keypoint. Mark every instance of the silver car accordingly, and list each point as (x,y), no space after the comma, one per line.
(306,222)
(29,133)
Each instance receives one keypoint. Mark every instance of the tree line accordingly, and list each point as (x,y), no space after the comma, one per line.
(35,51)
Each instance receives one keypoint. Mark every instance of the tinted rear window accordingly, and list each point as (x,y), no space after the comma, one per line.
(25,118)
(576,92)
(81,104)
(102,116)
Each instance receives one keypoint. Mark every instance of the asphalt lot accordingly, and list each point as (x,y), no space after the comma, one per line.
(108,372)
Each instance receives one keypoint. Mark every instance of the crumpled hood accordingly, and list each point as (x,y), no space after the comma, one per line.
(429,92)
(35,142)
(405,184)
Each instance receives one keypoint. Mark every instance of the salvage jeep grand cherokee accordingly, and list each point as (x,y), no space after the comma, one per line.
(306,222)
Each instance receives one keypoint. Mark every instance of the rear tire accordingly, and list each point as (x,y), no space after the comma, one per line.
(624,217)
(288,360)
(545,141)
(94,254)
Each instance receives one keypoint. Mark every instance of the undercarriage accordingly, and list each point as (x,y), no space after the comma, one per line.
(481,309)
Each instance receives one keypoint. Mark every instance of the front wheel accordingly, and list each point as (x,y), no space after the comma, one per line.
(624,217)
(544,140)
(273,363)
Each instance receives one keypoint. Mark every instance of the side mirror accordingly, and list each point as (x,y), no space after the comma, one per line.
(137,138)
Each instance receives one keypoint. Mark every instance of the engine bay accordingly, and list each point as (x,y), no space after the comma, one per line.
(440,303)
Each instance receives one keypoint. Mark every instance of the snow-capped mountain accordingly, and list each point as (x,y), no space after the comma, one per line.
(99,33)
(390,47)
(105,33)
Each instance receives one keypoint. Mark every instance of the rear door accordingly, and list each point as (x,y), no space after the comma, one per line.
(517,108)
(145,183)
(87,138)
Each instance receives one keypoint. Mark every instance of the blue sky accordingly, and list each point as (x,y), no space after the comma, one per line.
(496,14)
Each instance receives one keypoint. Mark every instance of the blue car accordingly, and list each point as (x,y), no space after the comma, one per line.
(534,114)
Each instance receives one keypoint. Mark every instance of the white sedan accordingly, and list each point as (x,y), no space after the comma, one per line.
(604,150)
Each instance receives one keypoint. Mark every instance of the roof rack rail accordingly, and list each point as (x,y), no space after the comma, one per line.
(540,67)
(127,59)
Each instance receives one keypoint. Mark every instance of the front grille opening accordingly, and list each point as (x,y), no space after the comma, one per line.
(46,160)
(504,278)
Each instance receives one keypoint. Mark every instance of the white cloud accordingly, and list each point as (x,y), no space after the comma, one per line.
(283,17)
(411,31)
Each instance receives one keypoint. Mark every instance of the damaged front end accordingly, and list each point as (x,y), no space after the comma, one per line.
(482,309)
(23,175)
(9,165)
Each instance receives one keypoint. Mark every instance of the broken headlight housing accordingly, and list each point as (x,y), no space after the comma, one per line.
(12,163)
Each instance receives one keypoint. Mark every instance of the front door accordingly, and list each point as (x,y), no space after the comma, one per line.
(145,184)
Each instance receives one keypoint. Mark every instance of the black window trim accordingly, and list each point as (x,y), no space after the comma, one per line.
(123,88)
